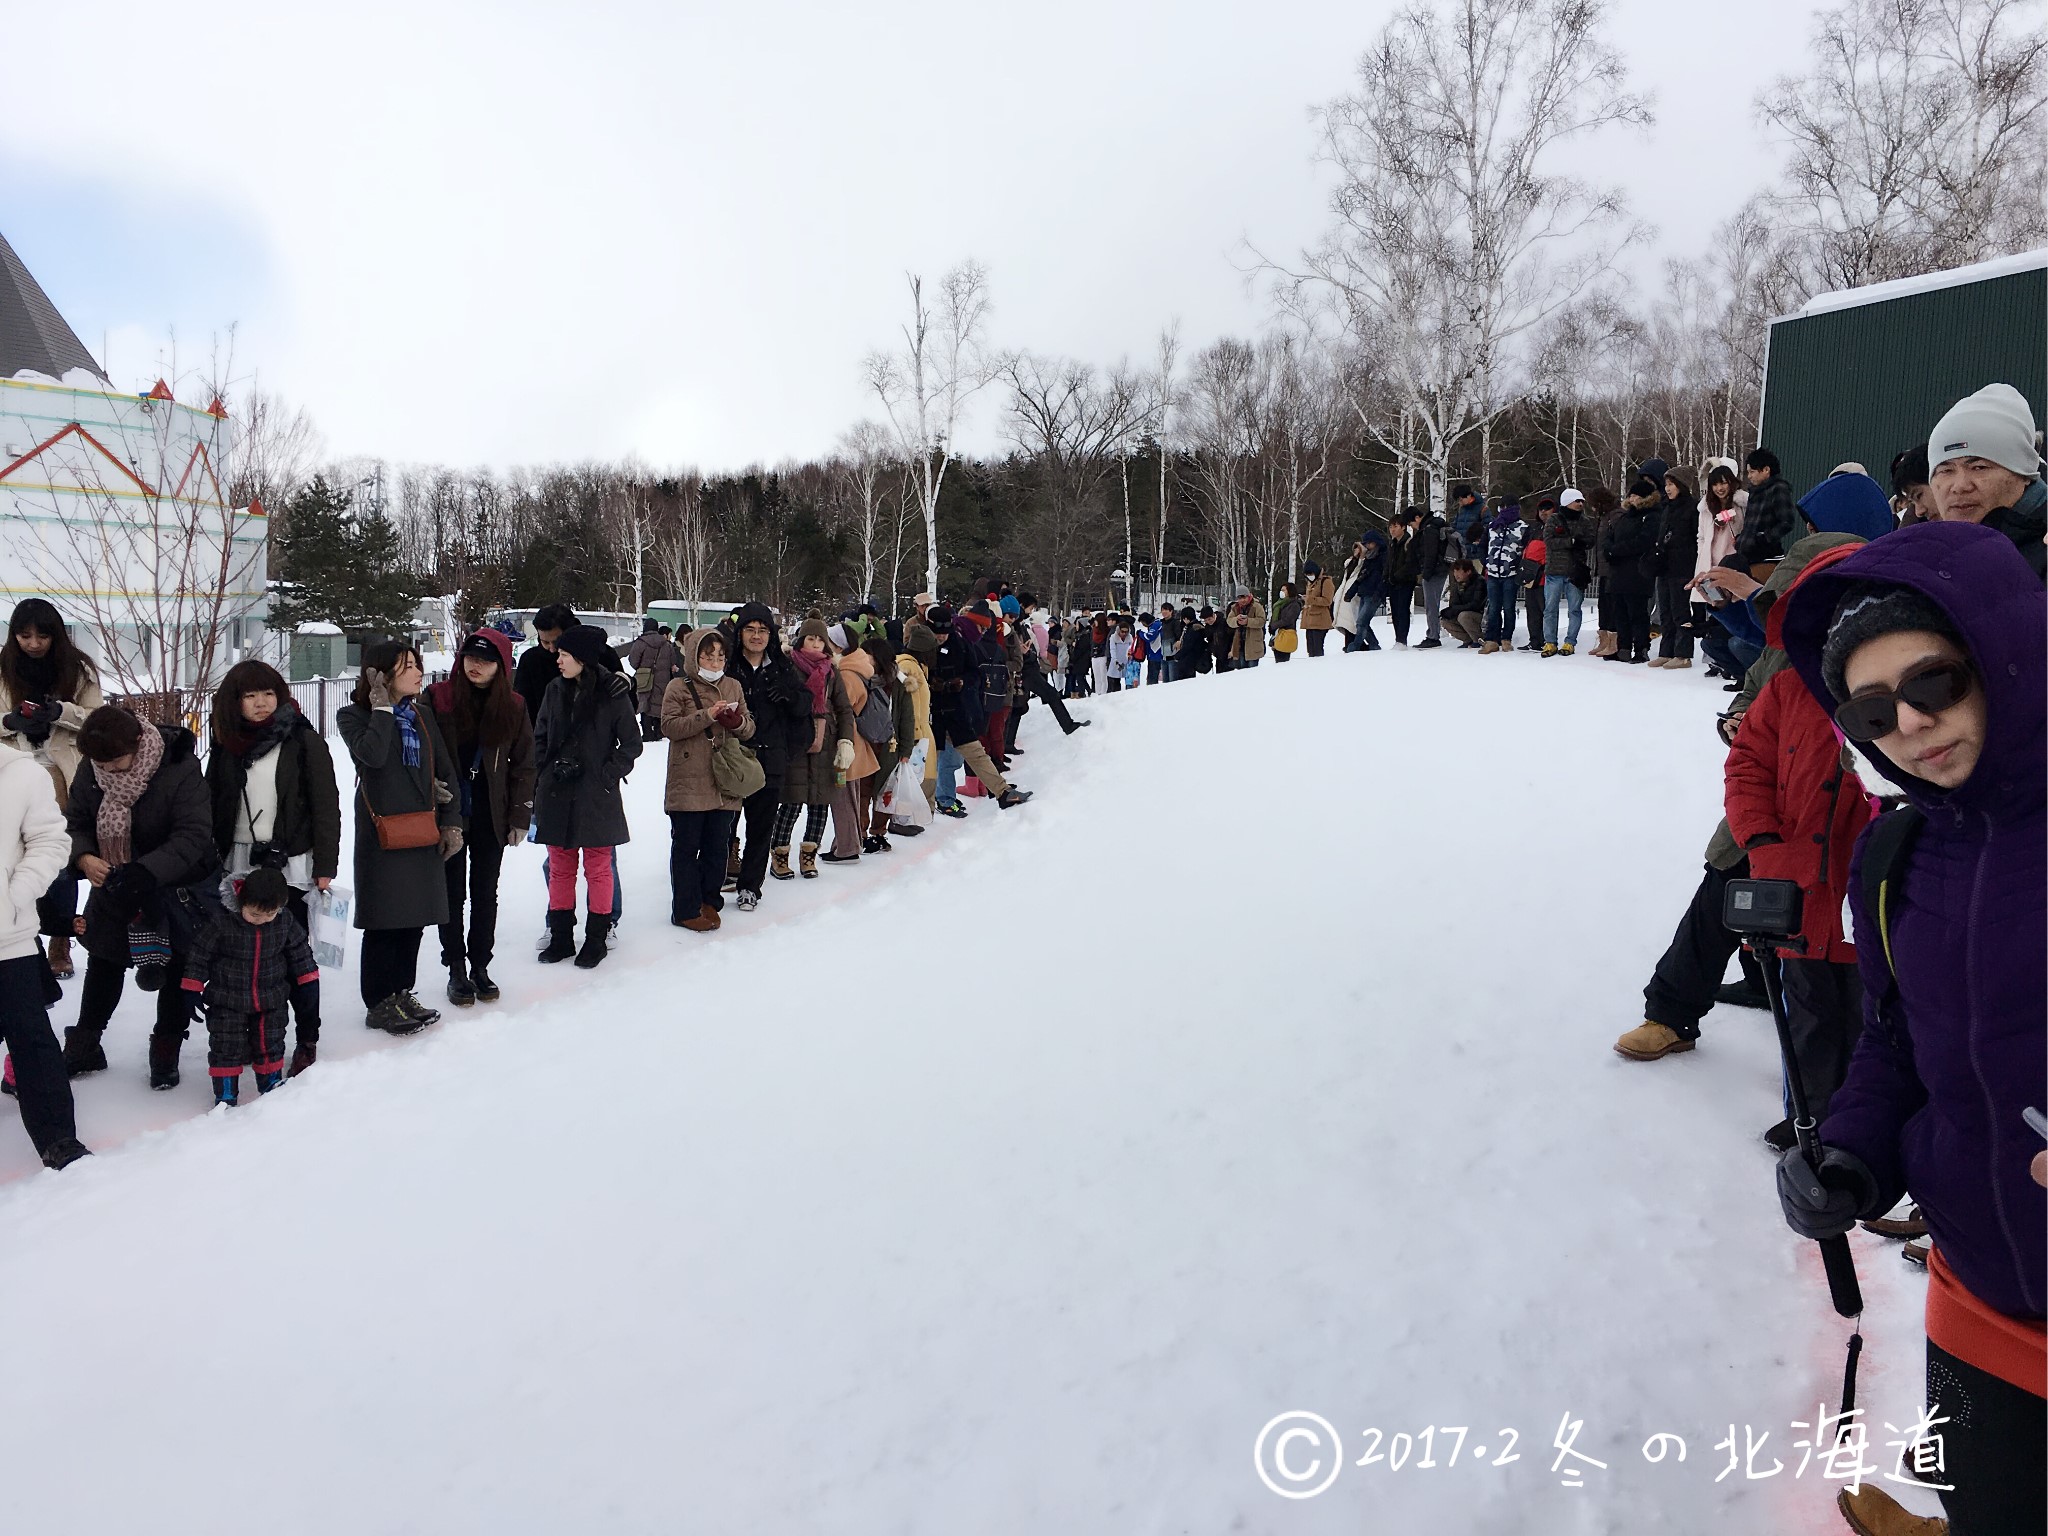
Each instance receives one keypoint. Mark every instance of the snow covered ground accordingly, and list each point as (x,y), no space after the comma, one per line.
(1010,1183)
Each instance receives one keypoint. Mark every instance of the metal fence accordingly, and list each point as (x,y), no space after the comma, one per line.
(320,698)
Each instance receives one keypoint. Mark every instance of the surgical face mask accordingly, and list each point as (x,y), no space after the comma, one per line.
(710,676)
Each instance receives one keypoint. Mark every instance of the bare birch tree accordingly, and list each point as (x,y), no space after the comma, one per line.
(866,452)
(925,387)
(1918,139)
(1455,235)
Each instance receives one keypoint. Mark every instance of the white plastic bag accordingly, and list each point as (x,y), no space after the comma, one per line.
(329,910)
(903,796)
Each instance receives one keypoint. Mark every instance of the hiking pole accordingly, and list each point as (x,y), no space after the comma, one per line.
(1766,913)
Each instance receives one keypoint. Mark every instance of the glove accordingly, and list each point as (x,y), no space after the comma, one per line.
(127,888)
(30,721)
(842,756)
(515,837)
(379,686)
(451,842)
(566,770)
(1827,1203)
(303,1057)
(728,715)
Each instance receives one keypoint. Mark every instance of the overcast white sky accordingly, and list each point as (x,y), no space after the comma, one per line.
(510,232)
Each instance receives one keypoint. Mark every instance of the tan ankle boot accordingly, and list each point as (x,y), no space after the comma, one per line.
(807,860)
(778,864)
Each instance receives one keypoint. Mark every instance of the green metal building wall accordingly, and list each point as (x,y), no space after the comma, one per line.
(1865,382)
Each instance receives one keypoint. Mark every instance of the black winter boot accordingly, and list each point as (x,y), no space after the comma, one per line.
(62,1154)
(486,989)
(460,990)
(163,1060)
(561,937)
(594,949)
(83,1052)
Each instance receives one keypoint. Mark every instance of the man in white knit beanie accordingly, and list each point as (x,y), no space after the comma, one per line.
(1986,464)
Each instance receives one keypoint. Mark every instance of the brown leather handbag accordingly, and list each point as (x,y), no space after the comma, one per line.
(408,829)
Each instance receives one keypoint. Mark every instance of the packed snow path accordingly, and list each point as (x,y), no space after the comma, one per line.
(1008,1183)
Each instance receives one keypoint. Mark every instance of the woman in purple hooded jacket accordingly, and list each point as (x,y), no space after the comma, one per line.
(1931,647)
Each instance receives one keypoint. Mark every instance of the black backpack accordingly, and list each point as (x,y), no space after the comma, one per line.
(1890,849)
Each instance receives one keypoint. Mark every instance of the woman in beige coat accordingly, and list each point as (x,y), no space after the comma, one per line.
(851,797)
(700,709)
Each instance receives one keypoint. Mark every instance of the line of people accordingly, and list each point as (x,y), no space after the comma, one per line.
(1888,758)
(202,867)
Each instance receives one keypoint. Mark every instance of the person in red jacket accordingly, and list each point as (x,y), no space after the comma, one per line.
(1796,806)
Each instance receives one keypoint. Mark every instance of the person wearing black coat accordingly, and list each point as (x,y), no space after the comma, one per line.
(1219,643)
(1192,658)
(780,707)
(1367,588)
(404,768)
(156,865)
(490,742)
(1628,550)
(1678,549)
(537,668)
(271,778)
(585,743)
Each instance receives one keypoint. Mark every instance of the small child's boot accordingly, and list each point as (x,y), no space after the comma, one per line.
(265,1081)
(227,1090)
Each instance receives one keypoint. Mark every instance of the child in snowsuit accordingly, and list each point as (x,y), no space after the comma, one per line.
(246,965)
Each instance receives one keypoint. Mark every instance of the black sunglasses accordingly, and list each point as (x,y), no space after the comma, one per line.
(1931,688)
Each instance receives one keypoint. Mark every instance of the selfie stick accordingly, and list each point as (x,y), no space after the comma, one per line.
(1834,1251)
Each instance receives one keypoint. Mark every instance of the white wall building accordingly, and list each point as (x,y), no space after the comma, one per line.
(115,507)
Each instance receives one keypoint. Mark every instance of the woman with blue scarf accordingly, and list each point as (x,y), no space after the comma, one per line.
(403,770)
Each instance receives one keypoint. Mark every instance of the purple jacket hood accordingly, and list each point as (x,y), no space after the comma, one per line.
(1934,1092)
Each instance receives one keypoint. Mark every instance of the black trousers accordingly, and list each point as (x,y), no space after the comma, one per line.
(1020,704)
(1317,639)
(474,872)
(1532,609)
(390,962)
(1632,624)
(41,1088)
(1675,604)
(100,995)
(757,812)
(1824,1009)
(1991,1449)
(57,906)
(1682,988)
(697,843)
(1401,608)
(1043,690)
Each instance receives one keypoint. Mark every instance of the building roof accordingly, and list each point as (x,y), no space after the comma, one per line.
(1926,282)
(32,333)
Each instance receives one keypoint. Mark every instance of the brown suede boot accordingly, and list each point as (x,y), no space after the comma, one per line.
(1873,1512)
(1650,1040)
(778,865)
(807,860)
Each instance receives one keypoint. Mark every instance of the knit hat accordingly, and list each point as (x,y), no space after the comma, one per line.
(649,625)
(1993,424)
(1570,499)
(810,627)
(1310,568)
(589,645)
(1868,610)
(1012,608)
(1655,469)
(836,633)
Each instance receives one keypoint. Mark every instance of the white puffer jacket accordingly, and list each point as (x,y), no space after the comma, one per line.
(33,848)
